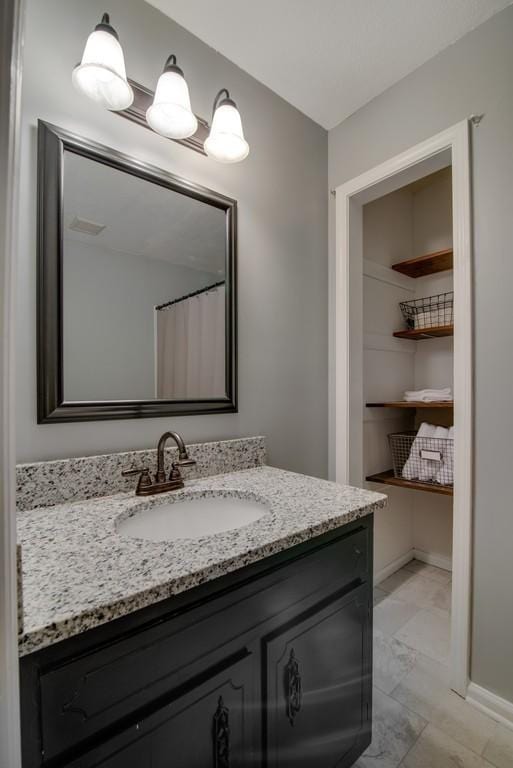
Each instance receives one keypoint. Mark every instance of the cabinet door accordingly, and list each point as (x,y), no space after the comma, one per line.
(210,726)
(318,685)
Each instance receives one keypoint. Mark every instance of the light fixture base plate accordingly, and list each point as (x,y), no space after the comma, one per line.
(143,98)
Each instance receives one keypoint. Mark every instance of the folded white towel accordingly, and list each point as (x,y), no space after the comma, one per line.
(429,391)
(428,395)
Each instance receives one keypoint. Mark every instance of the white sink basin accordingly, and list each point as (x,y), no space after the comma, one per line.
(191,518)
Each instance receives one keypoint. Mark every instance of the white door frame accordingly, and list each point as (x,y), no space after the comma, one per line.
(347,365)
(11,25)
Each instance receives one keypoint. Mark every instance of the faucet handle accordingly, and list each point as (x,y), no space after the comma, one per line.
(180,462)
(144,476)
(185,462)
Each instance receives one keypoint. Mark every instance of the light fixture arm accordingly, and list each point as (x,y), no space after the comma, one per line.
(171,65)
(105,26)
(226,100)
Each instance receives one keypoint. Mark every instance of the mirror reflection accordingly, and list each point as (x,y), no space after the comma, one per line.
(143,289)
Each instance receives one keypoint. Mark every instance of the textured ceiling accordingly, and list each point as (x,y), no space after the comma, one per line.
(329,57)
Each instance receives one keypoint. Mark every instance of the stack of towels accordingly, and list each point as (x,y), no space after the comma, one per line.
(431,438)
(428,395)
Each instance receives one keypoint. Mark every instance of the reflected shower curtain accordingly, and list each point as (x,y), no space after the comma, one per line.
(191,347)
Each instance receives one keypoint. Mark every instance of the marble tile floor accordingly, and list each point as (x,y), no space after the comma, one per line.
(418,721)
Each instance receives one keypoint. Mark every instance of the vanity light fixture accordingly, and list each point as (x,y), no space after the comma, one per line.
(226,142)
(101,74)
(170,113)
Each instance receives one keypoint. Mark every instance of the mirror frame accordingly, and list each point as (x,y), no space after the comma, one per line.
(51,406)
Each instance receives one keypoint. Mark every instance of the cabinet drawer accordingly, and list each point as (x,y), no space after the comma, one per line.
(84,696)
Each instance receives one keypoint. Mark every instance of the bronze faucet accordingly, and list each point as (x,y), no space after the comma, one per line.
(146,486)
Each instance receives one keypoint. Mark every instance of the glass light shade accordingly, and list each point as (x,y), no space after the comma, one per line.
(171,114)
(226,141)
(101,74)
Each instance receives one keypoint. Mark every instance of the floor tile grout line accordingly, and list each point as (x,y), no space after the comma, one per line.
(418,737)
(429,721)
(399,628)
(424,566)
(412,575)
(486,762)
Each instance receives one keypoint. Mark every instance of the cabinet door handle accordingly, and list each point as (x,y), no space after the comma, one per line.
(293,691)
(221,735)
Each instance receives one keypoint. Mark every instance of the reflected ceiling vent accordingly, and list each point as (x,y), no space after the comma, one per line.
(87,227)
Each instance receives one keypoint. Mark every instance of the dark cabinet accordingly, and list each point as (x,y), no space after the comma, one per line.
(318,685)
(267,667)
(208,725)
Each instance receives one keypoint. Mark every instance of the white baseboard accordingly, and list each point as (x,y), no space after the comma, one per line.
(433,559)
(412,554)
(492,705)
(394,566)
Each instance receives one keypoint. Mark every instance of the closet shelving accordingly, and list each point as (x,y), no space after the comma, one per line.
(412,404)
(429,264)
(421,266)
(417,334)
(388,478)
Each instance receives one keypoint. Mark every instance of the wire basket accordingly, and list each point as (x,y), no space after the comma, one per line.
(426,459)
(429,312)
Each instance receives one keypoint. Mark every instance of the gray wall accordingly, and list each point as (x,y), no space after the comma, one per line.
(472,76)
(282,194)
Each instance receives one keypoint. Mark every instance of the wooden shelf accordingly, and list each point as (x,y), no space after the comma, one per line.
(417,334)
(415,404)
(430,264)
(388,478)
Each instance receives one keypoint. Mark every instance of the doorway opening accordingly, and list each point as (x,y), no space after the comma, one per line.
(403,322)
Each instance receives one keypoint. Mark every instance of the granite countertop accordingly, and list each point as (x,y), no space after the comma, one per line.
(79,572)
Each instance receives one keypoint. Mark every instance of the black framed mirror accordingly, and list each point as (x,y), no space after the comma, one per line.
(136,287)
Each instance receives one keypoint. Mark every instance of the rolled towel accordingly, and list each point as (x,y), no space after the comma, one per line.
(417,468)
(445,474)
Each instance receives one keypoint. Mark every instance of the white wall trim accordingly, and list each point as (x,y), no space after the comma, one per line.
(394,566)
(431,558)
(492,705)
(11,28)
(386,275)
(347,369)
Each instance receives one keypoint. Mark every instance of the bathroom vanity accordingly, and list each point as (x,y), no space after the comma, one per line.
(250,647)
(224,624)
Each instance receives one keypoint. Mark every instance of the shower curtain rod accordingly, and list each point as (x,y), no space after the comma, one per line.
(190,295)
